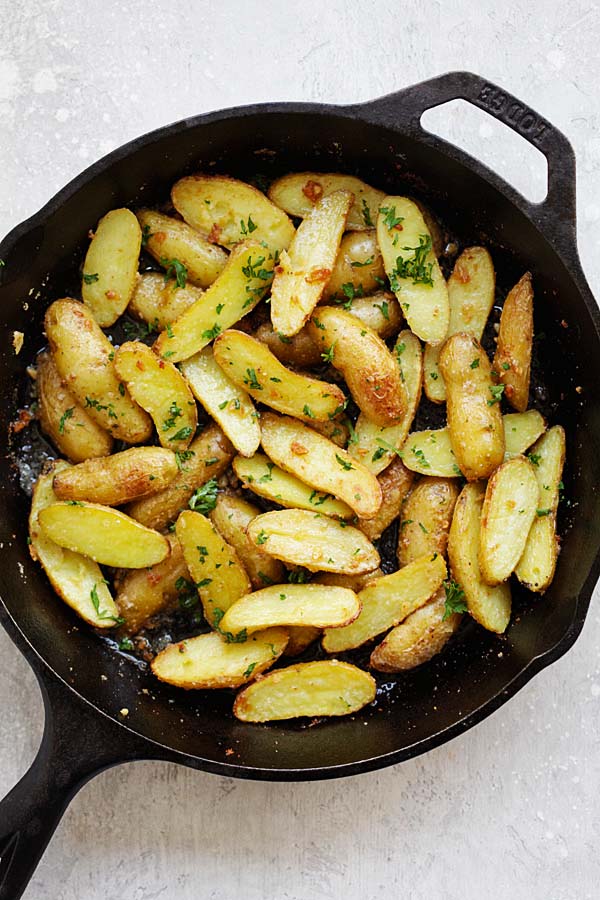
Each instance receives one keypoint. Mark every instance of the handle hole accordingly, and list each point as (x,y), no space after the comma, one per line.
(501,149)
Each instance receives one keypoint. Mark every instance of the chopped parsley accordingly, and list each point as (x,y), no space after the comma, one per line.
(475,363)
(181,457)
(252,666)
(414,267)
(360,265)
(90,279)
(181,435)
(308,411)
(211,333)
(247,227)
(455,599)
(540,513)
(68,414)
(146,235)
(262,537)
(118,620)
(204,498)
(346,466)
(126,644)
(95,404)
(175,412)
(174,269)
(534,458)
(240,638)
(366,214)
(384,307)
(300,576)
(496,390)
(390,219)
(252,381)
(421,457)
(328,355)
(268,476)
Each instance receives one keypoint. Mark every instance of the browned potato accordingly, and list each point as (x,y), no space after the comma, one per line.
(119,478)
(369,369)
(313,605)
(512,361)
(207,457)
(298,193)
(354,582)
(158,303)
(110,267)
(231,517)
(84,358)
(298,350)
(395,482)
(169,239)
(426,518)
(358,265)
(301,636)
(380,312)
(473,407)
(66,423)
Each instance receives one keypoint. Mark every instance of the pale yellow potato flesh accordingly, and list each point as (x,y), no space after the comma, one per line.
(489,605)
(231,517)
(207,457)
(471,291)
(106,535)
(303,271)
(335,430)
(299,192)
(300,638)
(316,605)
(159,388)
(353,582)
(158,303)
(230,406)
(369,369)
(144,593)
(208,661)
(424,297)
(521,430)
(320,463)
(110,267)
(426,517)
(215,567)
(264,478)
(75,578)
(168,238)
(63,419)
(375,446)
(512,360)
(387,601)
(380,312)
(536,566)
(251,365)
(241,285)
(313,540)
(395,483)
(473,407)
(228,211)
(326,688)
(358,264)
(418,639)
(118,479)
(84,356)
(299,350)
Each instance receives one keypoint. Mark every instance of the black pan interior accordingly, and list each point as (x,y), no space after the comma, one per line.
(411,711)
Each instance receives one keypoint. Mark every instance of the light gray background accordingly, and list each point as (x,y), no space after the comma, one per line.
(511,808)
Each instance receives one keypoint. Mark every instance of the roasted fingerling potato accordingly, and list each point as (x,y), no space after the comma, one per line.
(395,483)
(512,362)
(158,304)
(231,517)
(110,267)
(181,251)
(358,268)
(425,518)
(299,193)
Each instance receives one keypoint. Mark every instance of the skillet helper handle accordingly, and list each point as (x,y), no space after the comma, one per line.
(556,214)
(77,744)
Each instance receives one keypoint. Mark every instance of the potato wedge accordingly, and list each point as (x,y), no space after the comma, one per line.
(104,534)
(358,264)
(521,430)
(334,430)
(325,688)
(473,407)
(395,483)
(303,272)
(388,601)
(300,638)
(375,447)
(316,605)
(313,540)
(320,463)
(64,420)
(228,211)
(119,478)
(380,312)
(412,268)
(243,282)
(214,565)
(299,192)
(418,639)
(353,582)
(158,303)
(84,357)
(229,405)
(369,369)
(471,291)
(208,661)
(490,606)
(511,500)
(76,579)
(231,517)
(512,361)
(161,390)
(299,350)
(536,566)
(144,593)
(252,366)
(110,267)
(264,478)
(168,239)
(426,517)
(207,457)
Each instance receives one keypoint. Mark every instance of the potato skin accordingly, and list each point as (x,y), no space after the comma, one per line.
(426,517)
(231,517)
(356,247)
(119,478)
(111,265)
(63,420)
(158,303)
(512,361)
(169,238)
(474,415)
(299,350)
(395,482)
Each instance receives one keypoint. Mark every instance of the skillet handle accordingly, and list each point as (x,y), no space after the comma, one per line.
(557,213)
(77,744)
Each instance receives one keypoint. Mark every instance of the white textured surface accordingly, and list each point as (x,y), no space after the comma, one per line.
(511,808)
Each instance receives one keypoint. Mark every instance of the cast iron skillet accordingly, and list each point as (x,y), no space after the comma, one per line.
(383,142)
